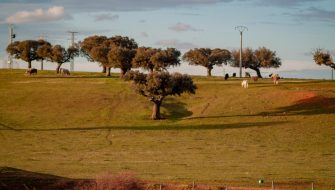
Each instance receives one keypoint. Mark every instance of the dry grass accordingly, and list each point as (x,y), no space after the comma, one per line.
(86,124)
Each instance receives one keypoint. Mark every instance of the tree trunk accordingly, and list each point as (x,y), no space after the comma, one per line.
(123,72)
(104,69)
(257,71)
(156,113)
(209,72)
(58,67)
(108,72)
(29,65)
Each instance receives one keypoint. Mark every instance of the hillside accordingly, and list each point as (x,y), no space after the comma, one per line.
(86,124)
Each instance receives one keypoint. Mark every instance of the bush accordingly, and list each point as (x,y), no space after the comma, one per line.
(109,181)
(121,181)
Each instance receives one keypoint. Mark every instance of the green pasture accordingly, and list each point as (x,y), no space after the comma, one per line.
(86,124)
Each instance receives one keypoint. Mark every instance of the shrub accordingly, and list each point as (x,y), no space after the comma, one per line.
(121,181)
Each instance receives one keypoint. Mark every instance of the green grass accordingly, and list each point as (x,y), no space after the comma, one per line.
(86,124)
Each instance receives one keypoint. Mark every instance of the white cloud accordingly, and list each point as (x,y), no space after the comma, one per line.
(182,27)
(144,34)
(176,44)
(102,17)
(38,15)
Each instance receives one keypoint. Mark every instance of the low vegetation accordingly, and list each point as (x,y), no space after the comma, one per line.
(86,124)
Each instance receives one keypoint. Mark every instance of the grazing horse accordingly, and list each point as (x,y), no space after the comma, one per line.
(275,78)
(64,71)
(31,71)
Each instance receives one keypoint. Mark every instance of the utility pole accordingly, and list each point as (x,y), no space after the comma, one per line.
(72,44)
(241,29)
(42,37)
(11,37)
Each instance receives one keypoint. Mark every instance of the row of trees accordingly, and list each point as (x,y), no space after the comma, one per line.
(124,53)
(40,50)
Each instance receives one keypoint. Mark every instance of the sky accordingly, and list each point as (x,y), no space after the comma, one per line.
(292,28)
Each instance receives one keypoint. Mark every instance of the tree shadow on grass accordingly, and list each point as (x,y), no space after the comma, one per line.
(162,127)
(12,178)
(175,110)
(310,106)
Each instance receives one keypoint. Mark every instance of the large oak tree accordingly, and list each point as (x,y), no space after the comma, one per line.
(255,60)
(158,85)
(207,57)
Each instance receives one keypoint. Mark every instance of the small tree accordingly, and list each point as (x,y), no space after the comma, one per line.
(86,49)
(157,85)
(59,55)
(97,48)
(207,58)
(43,51)
(25,50)
(322,57)
(153,59)
(260,58)
(120,57)
(122,52)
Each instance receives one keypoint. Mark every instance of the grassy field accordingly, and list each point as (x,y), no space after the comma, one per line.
(86,124)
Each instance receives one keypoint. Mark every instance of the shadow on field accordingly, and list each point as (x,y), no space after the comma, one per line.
(15,179)
(162,127)
(57,76)
(175,110)
(310,106)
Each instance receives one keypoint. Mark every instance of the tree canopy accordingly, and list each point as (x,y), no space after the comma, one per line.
(153,59)
(104,51)
(260,58)
(120,57)
(322,57)
(207,57)
(157,85)
(25,50)
(61,55)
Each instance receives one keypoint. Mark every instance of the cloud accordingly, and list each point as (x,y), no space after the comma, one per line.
(105,16)
(284,3)
(144,34)
(132,5)
(38,15)
(176,44)
(182,27)
(316,14)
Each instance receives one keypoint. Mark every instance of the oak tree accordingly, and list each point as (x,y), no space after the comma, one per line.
(61,55)
(158,85)
(207,57)
(86,49)
(255,60)
(25,50)
(322,57)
